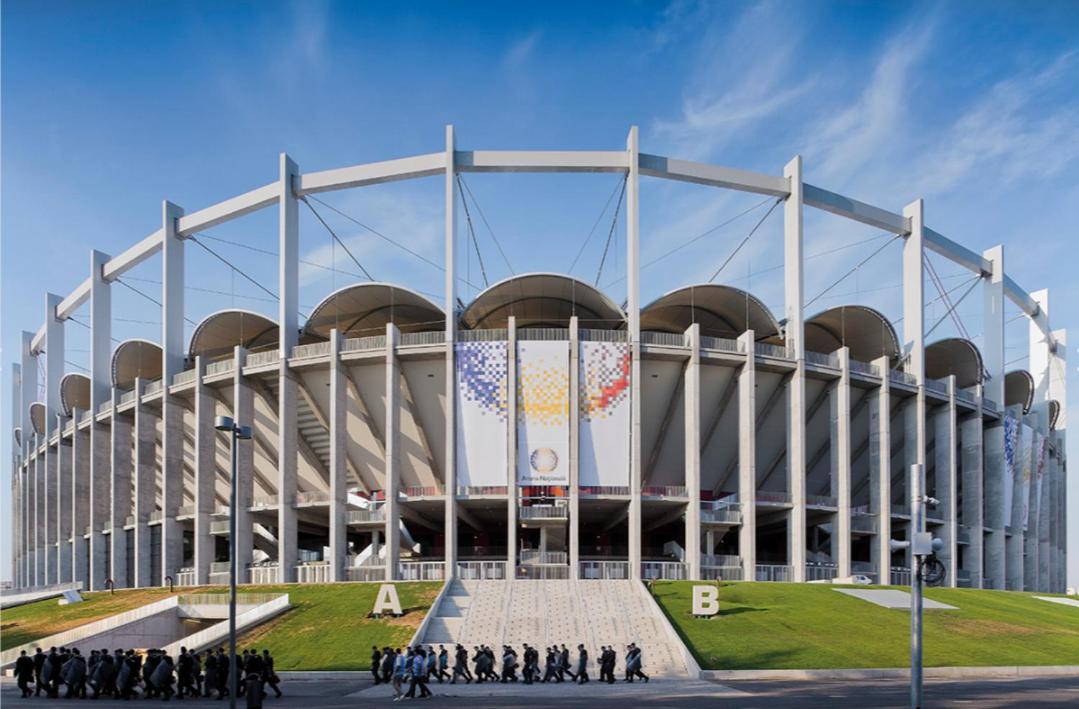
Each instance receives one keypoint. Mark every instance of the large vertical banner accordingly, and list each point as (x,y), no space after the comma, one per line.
(1040,451)
(1011,434)
(542,413)
(604,400)
(482,424)
(1025,468)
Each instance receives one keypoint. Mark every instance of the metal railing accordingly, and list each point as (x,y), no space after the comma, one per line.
(129,520)
(555,334)
(543,512)
(262,502)
(437,337)
(421,570)
(263,573)
(482,490)
(604,490)
(821,571)
(311,497)
(866,524)
(128,396)
(966,396)
(989,404)
(664,491)
(220,367)
(604,570)
(721,560)
(767,350)
(157,516)
(313,572)
(731,514)
(542,573)
(377,514)
(864,368)
(900,576)
(766,496)
(220,567)
(315,349)
(219,527)
(721,344)
(186,577)
(667,339)
(821,501)
(481,570)
(938,385)
(188,375)
(493,335)
(423,491)
(258,359)
(534,556)
(773,572)
(721,573)
(590,335)
(899,376)
(363,344)
(822,360)
(674,570)
(366,573)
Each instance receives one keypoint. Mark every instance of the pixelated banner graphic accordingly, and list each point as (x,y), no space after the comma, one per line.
(604,401)
(482,423)
(542,413)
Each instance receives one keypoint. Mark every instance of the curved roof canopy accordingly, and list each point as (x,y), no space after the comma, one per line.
(1019,389)
(220,332)
(542,300)
(135,359)
(1054,414)
(864,330)
(17,432)
(37,417)
(954,355)
(365,309)
(721,311)
(75,392)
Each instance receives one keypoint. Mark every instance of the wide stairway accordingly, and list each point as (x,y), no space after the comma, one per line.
(543,613)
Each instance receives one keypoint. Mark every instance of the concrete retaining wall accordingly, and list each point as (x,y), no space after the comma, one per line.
(894,673)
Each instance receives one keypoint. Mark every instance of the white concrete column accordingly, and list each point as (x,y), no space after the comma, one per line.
(880,470)
(393,451)
(633,312)
(63,507)
(38,523)
(512,499)
(841,463)
(946,466)
(100,387)
(692,394)
(205,474)
(243,413)
(145,488)
(993,442)
(81,493)
(27,395)
(120,497)
(794,299)
(287,448)
(1013,545)
(970,440)
(338,455)
(1049,372)
(172,411)
(747,457)
(450,306)
(574,443)
(17,537)
(54,371)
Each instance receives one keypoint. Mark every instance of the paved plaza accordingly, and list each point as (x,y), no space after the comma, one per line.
(658,694)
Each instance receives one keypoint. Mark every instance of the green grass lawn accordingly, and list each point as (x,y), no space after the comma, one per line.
(810,626)
(327,628)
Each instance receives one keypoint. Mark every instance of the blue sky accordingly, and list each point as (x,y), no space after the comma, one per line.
(108,108)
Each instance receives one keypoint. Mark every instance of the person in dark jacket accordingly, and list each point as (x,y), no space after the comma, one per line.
(222,673)
(582,665)
(564,667)
(185,674)
(386,667)
(209,672)
(269,674)
(39,667)
(24,673)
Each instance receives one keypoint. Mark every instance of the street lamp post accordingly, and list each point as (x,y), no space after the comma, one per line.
(236,433)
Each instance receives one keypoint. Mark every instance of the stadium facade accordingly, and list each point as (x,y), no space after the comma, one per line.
(541,430)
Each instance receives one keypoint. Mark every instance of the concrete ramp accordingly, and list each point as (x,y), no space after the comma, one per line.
(167,623)
(21,596)
(890,598)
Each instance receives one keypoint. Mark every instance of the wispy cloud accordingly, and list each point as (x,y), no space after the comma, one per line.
(521,51)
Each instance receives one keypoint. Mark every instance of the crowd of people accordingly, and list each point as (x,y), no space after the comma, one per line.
(417,666)
(151,675)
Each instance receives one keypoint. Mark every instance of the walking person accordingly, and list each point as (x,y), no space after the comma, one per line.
(443,663)
(582,665)
(386,668)
(400,671)
(376,664)
(269,674)
(564,665)
(419,674)
(24,673)
(460,665)
(633,663)
(209,679)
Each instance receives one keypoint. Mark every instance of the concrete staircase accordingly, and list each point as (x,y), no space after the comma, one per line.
(546,612)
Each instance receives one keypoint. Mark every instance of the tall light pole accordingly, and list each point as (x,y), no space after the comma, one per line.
(236,433)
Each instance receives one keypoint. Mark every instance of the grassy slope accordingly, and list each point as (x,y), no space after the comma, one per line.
(328,628)
(804,626)
(322,630)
